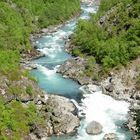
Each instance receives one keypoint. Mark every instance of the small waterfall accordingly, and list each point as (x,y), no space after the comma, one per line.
(46,71)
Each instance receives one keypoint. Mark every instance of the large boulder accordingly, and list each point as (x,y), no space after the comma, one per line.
(59,117)
(63,120)
(94,128)
(75,68)
(110,136)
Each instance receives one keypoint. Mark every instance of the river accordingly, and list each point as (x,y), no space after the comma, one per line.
(99,107)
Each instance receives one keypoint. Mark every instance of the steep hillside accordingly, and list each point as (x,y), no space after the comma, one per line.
(19,18)
(19,93)
(112,36)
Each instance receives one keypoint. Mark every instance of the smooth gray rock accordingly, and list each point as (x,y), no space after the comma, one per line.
(63,120)
(94,128)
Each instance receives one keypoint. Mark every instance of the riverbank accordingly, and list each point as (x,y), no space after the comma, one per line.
(50,114)
(23,104)
(60,118)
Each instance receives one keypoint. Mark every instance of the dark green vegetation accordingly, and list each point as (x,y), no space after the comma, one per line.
(15,120)
(137,118)
(112,35)
(18,19)
(138,82)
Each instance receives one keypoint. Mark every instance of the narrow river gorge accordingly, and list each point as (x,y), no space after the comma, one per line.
(97,106)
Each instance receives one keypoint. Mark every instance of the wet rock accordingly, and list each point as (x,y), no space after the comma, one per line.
(109,88)
(79,111)
(74,68)
(110,136)
(94,128)
(131,125)
(135,138)
(30,55)
(138,97)
(133,117)
(63,120)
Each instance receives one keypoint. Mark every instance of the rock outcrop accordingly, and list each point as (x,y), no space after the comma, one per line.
(59,118)
(63,119)
(58,112)
(76,69)
(122,85)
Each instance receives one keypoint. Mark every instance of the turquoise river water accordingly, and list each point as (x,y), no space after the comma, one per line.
(99,107)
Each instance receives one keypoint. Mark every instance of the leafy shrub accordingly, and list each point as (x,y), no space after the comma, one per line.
(29,90)
(16,119)
(19,18)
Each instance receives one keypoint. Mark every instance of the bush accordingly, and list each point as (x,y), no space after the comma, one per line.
(18,19)
(29,90)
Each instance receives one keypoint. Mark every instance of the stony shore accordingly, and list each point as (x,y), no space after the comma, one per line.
(33,54)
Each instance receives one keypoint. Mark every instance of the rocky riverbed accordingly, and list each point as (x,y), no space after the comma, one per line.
(59,113)
(75,68)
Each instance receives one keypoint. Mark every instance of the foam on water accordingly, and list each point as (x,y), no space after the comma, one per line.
(46,71)
(90,10)
(108,112)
